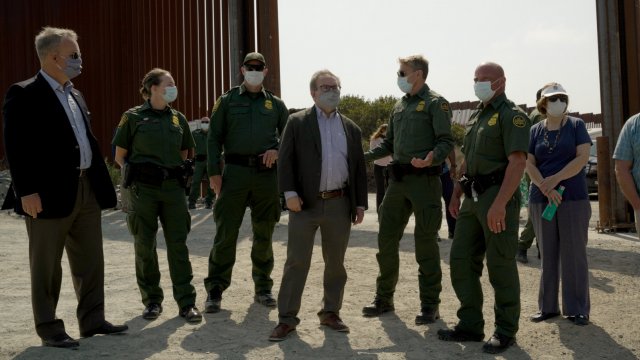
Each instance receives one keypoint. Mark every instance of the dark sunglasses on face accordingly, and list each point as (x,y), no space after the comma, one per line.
(555,98)
(327,88)
(250,67)
(74,56)
(401,73)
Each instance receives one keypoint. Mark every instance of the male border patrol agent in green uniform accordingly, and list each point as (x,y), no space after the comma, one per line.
(246,124)
(495,147)
(419,137)
(200,172)
(152,142)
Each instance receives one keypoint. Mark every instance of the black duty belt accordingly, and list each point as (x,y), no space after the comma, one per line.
(253,161)
(325,195)
(397,171)
(475,186)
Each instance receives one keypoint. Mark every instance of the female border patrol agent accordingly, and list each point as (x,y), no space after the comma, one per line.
(152,142)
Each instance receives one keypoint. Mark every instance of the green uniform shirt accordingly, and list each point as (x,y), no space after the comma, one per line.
(494,132)
(419,124)
(200,138)
(244,123)
(536,117)
(153,136)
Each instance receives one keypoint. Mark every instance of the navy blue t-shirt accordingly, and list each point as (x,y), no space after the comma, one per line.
(563,151)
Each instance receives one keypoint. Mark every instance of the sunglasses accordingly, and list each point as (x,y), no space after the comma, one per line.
(555,98)
(250,67)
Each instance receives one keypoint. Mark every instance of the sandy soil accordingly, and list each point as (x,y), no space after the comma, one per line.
(241,329)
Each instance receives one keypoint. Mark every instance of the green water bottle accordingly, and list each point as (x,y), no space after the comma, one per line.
(551,208)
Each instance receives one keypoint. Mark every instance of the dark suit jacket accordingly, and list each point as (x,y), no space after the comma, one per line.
(43,152)
(300,159)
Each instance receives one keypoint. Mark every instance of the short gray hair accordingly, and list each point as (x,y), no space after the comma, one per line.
(316,76)
(49,38)
(416,62)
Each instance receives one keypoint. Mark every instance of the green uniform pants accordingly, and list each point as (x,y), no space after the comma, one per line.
(200,173)
(472,240)
(241,187)
(148,203)
(420,195)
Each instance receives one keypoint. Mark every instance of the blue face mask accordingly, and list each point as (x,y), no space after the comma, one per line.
(170,94)
(73,67)
(404,85)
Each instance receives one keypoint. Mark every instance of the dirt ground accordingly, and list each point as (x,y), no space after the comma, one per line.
(241,329)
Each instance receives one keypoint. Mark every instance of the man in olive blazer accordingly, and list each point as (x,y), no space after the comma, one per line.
(321,170)
(59,183)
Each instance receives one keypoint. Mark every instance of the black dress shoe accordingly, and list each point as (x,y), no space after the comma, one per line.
(214,298)
(61,341)
(106,328)
(579,319)
(377,307)
(427,316)
(191,314)
(498,343)
(542,316)
(458,335)
(152,311)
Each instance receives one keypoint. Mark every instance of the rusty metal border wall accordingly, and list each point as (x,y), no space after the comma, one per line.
(121,40)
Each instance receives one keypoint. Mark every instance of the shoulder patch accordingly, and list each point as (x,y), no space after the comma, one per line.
(444,106)
(519,121)
(123,120)
(216,105)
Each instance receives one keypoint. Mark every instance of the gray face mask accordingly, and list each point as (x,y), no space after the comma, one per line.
(73,67)
(329,99)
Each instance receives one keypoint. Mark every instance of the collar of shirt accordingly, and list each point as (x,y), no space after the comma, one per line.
(423,93)
(55,85)
(323,116)
(243,89)
(147,106)
(495,103)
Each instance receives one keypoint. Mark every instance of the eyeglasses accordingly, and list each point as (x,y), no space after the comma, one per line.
(251,67)
(74,56)
(560,97)
(327,88)
(403,74)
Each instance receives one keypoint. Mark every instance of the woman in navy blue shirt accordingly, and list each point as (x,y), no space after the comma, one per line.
(558,151)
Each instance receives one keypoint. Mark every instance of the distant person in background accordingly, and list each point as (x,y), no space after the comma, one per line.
(200,172)
(447,177)
(558,152)
(380,171)
(627,164)
(527,235)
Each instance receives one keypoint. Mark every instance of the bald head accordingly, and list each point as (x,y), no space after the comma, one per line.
(492,72)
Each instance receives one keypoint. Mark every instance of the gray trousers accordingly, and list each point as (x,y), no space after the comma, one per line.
(563,247)
(332,216)
(80,234)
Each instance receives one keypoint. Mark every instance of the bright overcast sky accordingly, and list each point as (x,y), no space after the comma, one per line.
(536,42)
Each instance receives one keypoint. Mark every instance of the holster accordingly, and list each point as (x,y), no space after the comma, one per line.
(480,183)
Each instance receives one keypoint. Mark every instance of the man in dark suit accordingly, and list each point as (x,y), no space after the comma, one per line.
(321,171)
(60,184)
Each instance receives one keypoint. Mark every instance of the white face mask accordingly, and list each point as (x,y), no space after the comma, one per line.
(556,108)
(170,94)
(483,90)
(404,84)
(254,78)
(204,127)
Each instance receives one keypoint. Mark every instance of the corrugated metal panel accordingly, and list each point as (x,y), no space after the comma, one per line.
(121,40)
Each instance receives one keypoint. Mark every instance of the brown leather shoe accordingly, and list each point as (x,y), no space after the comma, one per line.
(333,321)
(280,332)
